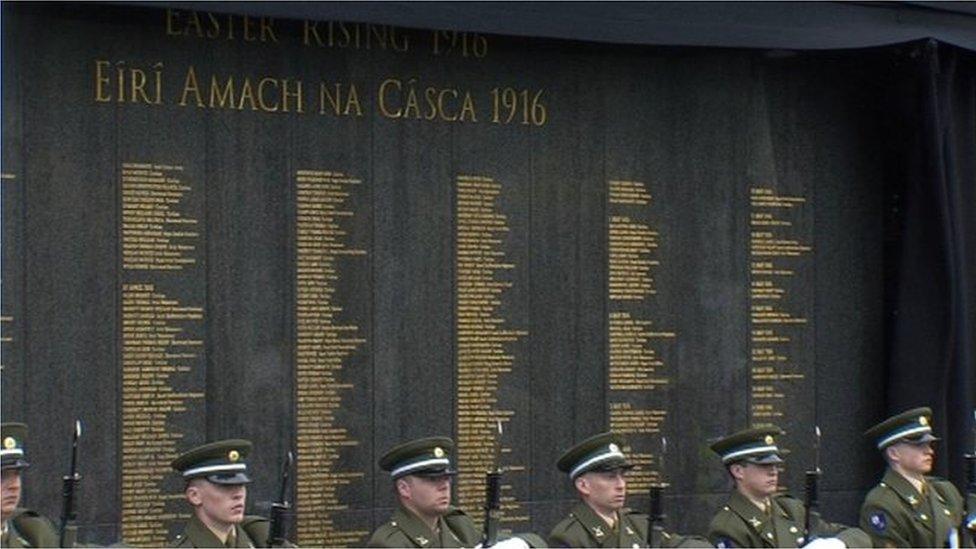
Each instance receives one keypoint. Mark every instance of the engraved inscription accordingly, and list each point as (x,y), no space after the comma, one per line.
(323,345)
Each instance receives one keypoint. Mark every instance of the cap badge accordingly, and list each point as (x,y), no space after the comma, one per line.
(597,531)
(422,540)
(438,452)
(9,443)
(233,455)
(755,522)
(768,439)
(613,447)
(923,421)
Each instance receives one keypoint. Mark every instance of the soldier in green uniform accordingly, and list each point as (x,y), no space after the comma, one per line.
(755,515)
(598,467)
(21,527)
(216,486)
(422,475)
(908,508)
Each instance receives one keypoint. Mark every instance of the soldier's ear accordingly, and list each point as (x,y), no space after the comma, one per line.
(582,485)
(402,487)
(891,454)
(193,494)
(736,471)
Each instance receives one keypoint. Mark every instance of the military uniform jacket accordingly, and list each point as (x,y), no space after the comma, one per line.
(196,534)
(741,524)
(895,514)
(584,528)
(404,529)
(25,528)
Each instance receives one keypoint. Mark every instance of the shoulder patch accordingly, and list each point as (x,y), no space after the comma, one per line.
(879,521)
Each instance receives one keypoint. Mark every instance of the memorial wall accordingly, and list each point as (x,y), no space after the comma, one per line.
(331,237)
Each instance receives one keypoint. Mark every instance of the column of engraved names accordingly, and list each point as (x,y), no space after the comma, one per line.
(637,346)
(161,344)
(776,257)
(483,343)
(322,348)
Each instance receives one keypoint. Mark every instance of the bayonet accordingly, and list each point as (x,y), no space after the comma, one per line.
(68,532)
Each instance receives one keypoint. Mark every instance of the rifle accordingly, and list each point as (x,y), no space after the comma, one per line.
(69,531)
(276,533)
(493,488)
(812,488)
(967,533)
(655,519)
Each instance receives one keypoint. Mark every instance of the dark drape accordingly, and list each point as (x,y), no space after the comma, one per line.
(931,241)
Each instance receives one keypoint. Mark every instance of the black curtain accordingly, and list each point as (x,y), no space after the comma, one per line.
(930,103)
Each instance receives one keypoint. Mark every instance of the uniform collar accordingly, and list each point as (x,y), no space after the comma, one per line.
(901,486)
(201,536)
(415,528)
(594,524)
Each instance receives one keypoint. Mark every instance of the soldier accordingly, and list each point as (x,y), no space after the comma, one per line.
(598,468)
(21,527)
(908,508)
(216,486)
(422,474)
(755,516)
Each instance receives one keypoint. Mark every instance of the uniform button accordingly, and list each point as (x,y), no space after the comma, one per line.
(769,535)
(946,511)
(392,523)
(799,542)
(636,546)
(792,529)
(923,516)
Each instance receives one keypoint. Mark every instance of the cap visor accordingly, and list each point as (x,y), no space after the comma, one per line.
(433,473)
(765,460)
(15,464)
(230,479)
(615,464)
(924,439)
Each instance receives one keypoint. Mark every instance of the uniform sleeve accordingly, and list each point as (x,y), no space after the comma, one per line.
(722,533)
(383,538)
(562,536)
(852,537)
(882,527)
(38,530)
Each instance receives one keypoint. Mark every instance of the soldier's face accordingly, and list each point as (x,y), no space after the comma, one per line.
(11,491)
(756,480)
(221,504)
(426,495)
(914,458)
(604,490)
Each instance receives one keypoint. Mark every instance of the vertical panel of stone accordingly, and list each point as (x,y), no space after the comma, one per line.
(699,120)
(413,266)
(332,196)
(493,174)
(567,349)
(70,343)
(781,273)
(250,284)
(12,366)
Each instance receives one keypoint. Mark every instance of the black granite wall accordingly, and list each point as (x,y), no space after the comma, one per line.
(700,129)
